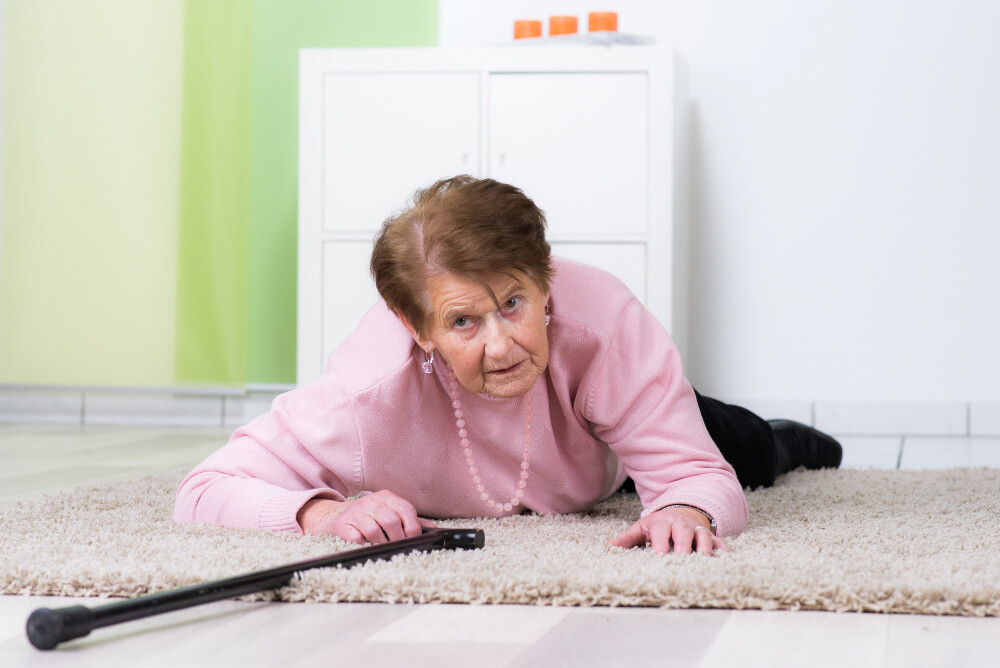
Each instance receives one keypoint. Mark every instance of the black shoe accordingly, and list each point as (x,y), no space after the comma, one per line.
(799,445)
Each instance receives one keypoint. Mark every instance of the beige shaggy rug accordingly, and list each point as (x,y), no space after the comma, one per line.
(880,541)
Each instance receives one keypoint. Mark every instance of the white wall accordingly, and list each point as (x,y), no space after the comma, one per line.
(845,190)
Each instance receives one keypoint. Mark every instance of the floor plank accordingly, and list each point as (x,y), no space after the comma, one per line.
(792,639)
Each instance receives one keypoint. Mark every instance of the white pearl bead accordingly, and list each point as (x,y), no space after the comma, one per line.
(463,434)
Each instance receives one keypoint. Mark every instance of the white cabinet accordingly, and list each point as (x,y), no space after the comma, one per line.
(385,134)
(625,260)
(561,136)
(588,132)
(347,292)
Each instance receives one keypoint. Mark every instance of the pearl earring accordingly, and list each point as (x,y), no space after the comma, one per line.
(428,364)
(548,318)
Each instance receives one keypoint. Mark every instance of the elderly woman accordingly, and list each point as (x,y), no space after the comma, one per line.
(493,379)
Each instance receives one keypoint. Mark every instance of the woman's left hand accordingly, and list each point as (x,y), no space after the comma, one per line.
(672,528)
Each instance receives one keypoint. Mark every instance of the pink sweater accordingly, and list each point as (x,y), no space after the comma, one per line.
(613,402)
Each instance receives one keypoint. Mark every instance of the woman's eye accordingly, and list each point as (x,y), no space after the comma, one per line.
(461,322)
(512,303)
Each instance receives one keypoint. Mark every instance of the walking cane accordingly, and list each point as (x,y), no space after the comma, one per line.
(47,628)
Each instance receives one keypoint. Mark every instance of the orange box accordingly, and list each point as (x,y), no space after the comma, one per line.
(602,21)
(528,28)
(562,25)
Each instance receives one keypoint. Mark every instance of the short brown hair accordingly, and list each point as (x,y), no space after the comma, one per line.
(462,225)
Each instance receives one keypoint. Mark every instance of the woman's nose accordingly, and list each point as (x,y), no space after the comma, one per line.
(498,338)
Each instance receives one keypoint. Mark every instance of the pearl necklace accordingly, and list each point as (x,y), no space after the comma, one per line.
(463,436)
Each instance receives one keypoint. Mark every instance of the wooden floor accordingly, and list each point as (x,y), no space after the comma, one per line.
(36,459)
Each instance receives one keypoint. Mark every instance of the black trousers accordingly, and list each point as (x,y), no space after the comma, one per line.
(744,439)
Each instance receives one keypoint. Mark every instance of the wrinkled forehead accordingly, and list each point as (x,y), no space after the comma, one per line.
(445,286)
(447,293)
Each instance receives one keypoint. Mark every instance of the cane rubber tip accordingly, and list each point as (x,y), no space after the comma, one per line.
(43,628)
(47,628)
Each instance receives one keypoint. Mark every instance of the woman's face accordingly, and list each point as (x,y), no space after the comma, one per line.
(499,351)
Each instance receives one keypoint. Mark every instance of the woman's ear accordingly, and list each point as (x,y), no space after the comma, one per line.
(421,341)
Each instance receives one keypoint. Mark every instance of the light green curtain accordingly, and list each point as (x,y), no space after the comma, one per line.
(280,29)
(214,190)
(149,183)
(88,201)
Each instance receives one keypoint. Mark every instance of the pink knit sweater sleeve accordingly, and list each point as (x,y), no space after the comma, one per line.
(306,446)
(644,408)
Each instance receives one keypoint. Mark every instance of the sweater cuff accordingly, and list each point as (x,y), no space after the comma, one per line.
(278,512)
(726,525)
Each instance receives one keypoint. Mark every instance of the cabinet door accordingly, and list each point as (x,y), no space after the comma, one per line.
(348,292)
(626,261)
(387,134)
(576,143)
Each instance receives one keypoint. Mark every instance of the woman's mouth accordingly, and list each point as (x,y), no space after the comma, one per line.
(506,371)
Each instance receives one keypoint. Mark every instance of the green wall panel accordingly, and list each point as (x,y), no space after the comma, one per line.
(148,200)
(214,195)
(280,29)
(88,197)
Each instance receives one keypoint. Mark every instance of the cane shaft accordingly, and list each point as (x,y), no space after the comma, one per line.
(47,628)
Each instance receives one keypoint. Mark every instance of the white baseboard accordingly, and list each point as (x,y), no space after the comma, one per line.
(800,411)
(237,411)
(892,418)
(51,406)
(174,407)
(885,418)
(984,419)
(175,410)
(228,407)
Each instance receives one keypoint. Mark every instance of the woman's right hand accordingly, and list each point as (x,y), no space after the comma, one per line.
(374,518)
